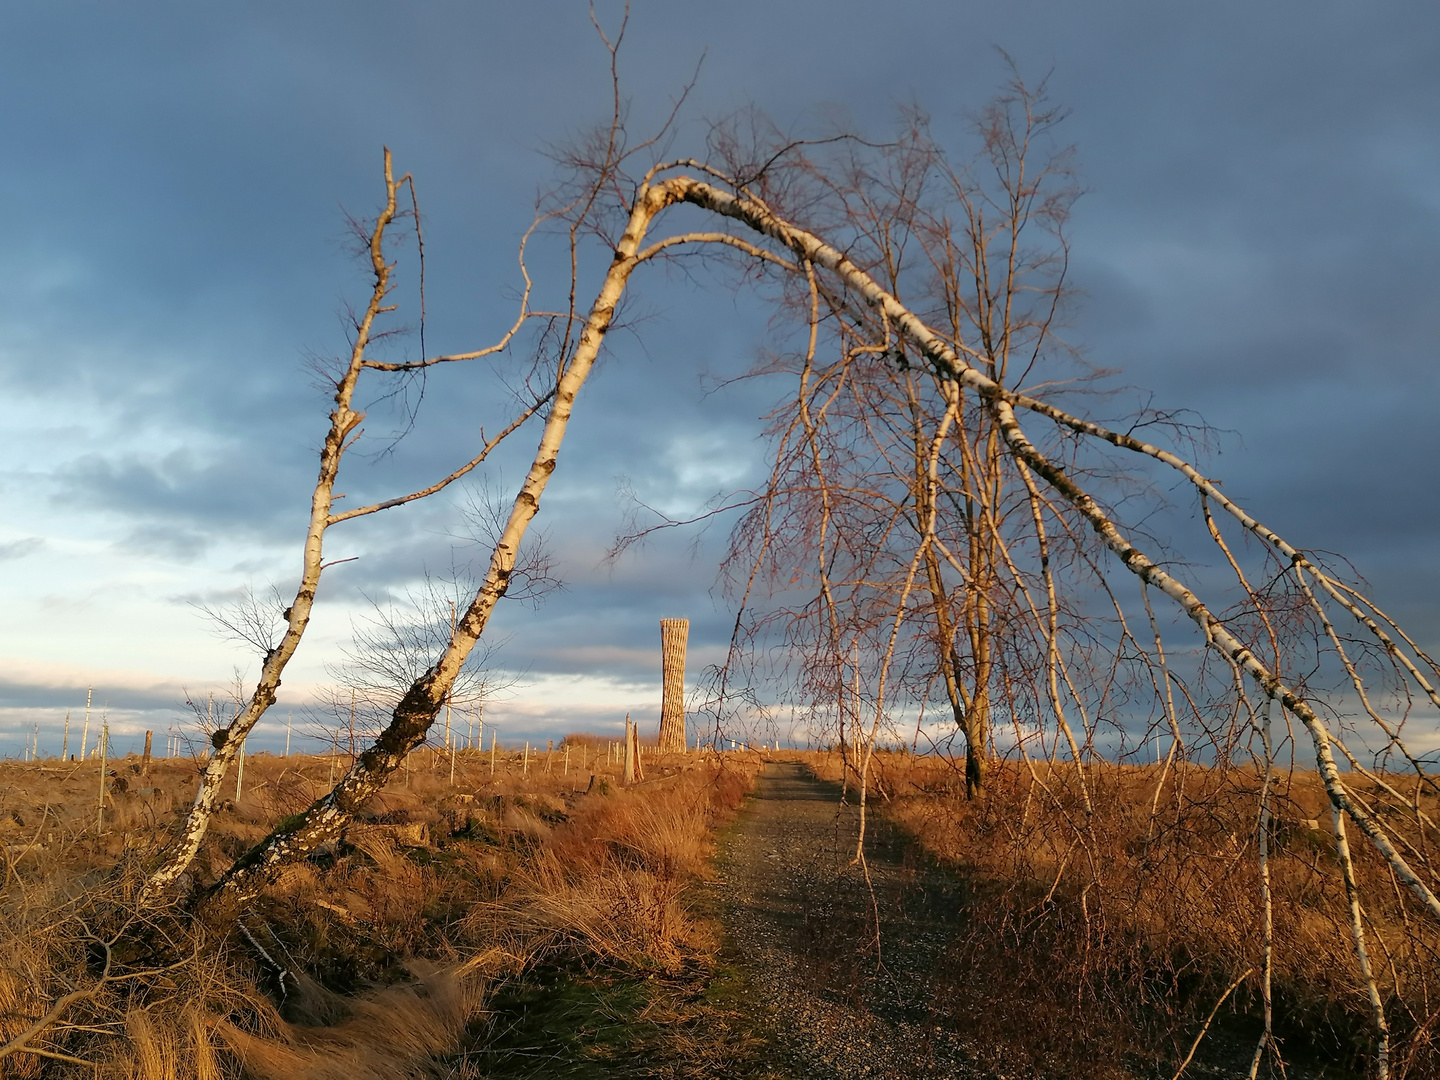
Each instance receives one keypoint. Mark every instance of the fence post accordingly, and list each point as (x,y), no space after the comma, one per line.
(104,753)
(85,731)
(629,750)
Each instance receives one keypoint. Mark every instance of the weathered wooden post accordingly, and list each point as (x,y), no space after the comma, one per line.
(85,731)
(629,750)
(674,633)
(104,747)
(145,761)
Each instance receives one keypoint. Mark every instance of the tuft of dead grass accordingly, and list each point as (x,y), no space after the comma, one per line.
(1096,941)
(397,1031)
(371,960)
(609,881)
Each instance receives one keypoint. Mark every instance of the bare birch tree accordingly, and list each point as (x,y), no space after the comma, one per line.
(1054,474)
(600,200)
(927,431)
(279,644)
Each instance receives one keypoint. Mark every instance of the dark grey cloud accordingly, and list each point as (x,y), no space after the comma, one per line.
(177,490)
(17,692)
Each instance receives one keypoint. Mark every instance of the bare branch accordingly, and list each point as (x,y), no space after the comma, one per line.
(440,485)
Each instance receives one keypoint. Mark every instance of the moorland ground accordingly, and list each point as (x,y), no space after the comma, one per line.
(542,919)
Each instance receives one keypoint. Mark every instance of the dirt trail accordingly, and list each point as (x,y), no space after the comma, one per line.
(801,926)
(799,989)
(796,991)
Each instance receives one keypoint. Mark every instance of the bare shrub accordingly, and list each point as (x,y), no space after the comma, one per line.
(1087,959)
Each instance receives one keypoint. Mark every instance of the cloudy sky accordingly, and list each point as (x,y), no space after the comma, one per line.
(1260,241)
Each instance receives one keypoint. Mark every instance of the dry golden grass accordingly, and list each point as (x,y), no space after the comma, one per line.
(1120,931)
(609,881)
(389,941)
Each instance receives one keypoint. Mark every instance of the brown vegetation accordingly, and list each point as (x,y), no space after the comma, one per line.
(375,957)
(1120,940)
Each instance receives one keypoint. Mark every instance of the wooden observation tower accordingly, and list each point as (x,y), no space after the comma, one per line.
(674,633)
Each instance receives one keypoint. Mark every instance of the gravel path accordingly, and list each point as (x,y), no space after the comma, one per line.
(801,925)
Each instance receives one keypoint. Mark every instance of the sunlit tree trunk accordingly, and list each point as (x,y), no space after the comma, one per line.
(226,743)
(413,716)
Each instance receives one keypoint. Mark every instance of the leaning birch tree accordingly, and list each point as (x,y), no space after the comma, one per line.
(600,197)
(279,645)
(929,440)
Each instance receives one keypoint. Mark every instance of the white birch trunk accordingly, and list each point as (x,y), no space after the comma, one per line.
(226,742)
(419,707)
(344,421)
